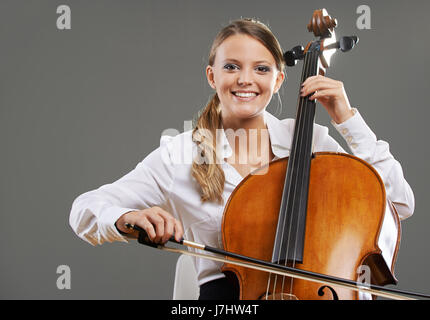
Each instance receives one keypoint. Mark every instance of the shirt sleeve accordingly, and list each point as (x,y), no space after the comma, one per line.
(94,213)
(363,143)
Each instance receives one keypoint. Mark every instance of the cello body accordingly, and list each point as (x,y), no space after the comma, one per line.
(352,232)
(320,212)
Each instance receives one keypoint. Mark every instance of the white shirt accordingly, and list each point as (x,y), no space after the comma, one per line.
(164,179)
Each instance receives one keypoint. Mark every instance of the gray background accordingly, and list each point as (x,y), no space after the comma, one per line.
(81,107)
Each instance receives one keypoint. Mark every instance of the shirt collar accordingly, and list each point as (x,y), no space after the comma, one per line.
(279,133)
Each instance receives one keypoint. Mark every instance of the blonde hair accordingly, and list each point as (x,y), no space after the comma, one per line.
(209,174)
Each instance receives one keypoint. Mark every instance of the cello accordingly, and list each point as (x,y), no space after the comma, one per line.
(321,212)
(312,223)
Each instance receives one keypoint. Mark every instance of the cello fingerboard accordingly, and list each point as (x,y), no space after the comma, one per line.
(290,233)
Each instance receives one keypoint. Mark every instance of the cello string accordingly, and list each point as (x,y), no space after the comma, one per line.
(297,163)
(303,156)
(287,188)
(300,156)
(293,178)
(292,175)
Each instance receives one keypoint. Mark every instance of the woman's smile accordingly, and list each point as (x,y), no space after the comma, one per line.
(244,96)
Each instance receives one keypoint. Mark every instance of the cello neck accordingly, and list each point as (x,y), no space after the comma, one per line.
(289,239)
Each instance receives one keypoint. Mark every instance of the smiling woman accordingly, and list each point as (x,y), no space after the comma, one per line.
(165,198)
(246,67)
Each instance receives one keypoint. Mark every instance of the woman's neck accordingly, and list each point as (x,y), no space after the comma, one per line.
(257,123)
(249,139)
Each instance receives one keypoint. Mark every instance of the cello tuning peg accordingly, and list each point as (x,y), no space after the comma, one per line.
(293,55)
(347,43)
(344,44)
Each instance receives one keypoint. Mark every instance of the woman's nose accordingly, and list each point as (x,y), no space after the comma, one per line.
(245,77)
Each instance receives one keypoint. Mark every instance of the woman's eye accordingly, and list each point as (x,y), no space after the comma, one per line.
(230,66)
(263,69)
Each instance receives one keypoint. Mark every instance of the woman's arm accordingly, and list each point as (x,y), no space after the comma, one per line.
(94,213)
(360,139)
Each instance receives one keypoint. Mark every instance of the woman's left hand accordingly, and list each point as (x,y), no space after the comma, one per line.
(331,94)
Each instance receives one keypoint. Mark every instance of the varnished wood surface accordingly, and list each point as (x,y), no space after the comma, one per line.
(346,207)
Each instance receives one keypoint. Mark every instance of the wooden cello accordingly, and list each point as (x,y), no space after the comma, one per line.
(321,212)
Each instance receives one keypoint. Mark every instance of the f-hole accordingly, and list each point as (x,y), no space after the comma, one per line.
(333,293)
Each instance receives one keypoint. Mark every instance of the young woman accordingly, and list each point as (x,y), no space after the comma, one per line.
(167,195)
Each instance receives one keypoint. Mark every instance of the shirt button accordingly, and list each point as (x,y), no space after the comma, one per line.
(349,139)
(344,131)
(353,145)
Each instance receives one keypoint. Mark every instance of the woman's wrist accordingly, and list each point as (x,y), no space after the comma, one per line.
(342,116)
(120,225)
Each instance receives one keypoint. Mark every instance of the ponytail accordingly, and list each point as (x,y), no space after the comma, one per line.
(209,174)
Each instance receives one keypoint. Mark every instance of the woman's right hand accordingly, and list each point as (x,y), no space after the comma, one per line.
(159,224)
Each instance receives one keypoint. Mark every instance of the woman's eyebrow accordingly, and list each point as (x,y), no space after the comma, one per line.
(255,62)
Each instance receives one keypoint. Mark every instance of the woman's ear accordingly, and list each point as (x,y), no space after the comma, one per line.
(210,76)
(279,80)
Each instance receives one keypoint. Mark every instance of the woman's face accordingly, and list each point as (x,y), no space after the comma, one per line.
(245,77)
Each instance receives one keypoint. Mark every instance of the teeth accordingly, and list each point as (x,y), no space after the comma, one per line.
(243,94)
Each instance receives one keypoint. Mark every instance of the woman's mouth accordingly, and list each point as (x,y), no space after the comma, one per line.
(244,95)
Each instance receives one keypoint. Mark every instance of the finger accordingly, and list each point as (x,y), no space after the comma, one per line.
(148,227)
(328,93)
(168,229)
(179,231)
(318,85)
(170,224)
(158,222)
(317,78)
(309,79)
